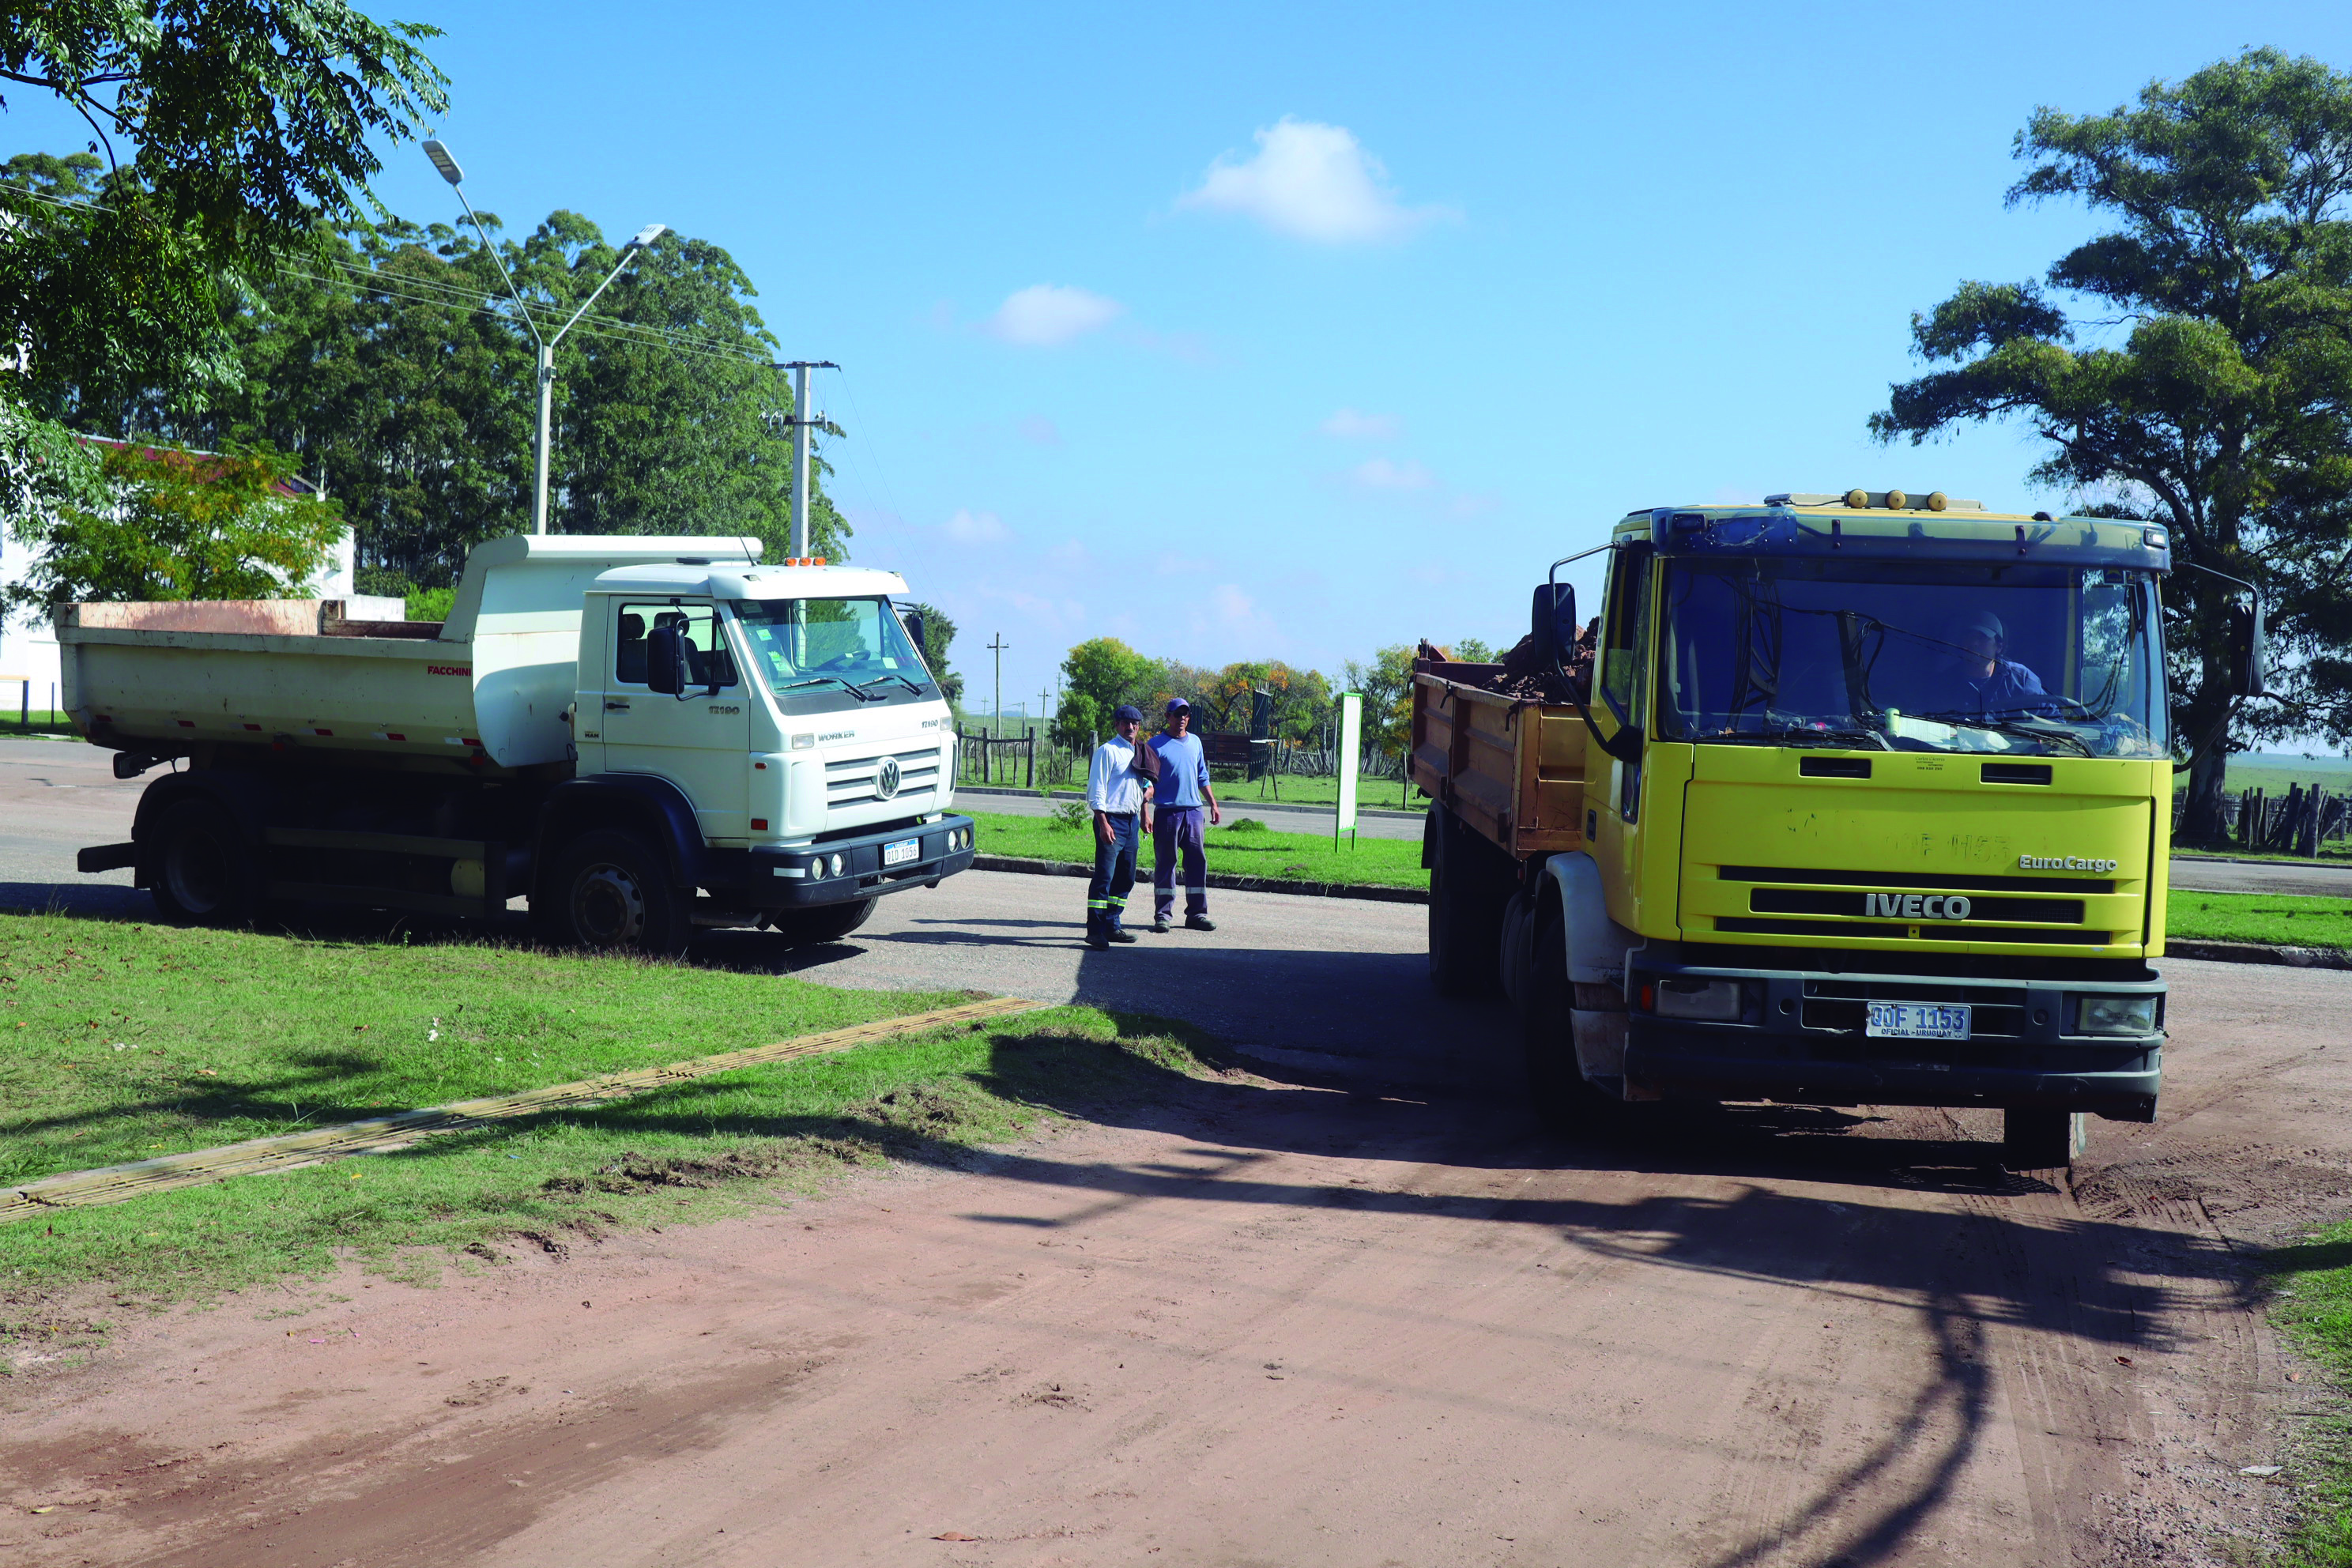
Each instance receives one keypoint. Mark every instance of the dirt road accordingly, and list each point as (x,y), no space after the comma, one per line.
(1277,1322)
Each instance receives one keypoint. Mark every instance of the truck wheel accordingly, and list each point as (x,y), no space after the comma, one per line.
(609,889)
(204,871)
(1466,910)
(1562,1097)
(825,922)
(2034,1139)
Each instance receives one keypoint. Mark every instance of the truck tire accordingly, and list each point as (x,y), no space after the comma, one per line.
(205,872)
(1466,894)
(2035,1139)
(1562,1096)
(608,890)
(825,922)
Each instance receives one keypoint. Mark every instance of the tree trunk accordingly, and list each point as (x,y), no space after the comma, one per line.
(2204,823)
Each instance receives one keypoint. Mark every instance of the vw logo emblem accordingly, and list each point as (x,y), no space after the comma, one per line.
(885,781)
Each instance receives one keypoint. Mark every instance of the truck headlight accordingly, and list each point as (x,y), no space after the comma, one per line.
(2115,1016)
(1716,1001)
(837,865)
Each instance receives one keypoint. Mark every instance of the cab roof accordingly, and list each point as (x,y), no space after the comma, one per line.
(1953,530)
(737,580)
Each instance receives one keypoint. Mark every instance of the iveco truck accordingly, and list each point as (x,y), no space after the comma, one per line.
(1865,801)
(639,736)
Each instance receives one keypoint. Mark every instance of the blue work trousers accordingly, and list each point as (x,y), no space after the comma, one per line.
(1176,831)
(1114,877)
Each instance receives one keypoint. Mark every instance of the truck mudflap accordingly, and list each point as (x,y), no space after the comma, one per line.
(841,870)
(1804,1037)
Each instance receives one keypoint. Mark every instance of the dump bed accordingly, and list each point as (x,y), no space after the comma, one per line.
(496,677)
(1510,767)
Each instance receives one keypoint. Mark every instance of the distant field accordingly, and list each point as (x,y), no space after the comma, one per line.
(1252,852)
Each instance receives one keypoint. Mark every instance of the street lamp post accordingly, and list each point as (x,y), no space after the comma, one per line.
(442,160)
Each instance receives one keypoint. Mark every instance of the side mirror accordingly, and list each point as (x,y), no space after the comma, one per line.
(1552,620)
(666,660)
(913,621)
(2246,678)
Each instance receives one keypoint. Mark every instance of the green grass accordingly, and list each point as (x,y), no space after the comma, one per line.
(1243,851)
(39,721)
(2313,1309)
(2285,919)
(224,1035)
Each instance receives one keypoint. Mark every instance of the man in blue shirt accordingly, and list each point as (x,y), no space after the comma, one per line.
(1115,794)
(1996,686)
(1180,786)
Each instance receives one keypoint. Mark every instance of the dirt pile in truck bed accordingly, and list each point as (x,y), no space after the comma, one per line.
(1525,675)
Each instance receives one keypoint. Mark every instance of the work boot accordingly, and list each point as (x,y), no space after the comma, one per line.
(1122,937)
(1159,928)
(1199,923)
(1100,944)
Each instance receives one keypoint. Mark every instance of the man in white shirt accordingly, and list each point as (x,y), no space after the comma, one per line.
(1115,795)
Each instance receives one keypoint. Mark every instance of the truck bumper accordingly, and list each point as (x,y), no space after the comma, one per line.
(767,879)
(1800,1038)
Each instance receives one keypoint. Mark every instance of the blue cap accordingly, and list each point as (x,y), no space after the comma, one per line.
(1129,713)
(1177,705)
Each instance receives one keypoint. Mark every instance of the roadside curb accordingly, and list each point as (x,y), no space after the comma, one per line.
(2258,953)
(1216,880)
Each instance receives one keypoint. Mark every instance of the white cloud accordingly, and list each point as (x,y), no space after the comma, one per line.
(1349,426)
(1045,315)
(1380,474)
(968,527)
(1312,182)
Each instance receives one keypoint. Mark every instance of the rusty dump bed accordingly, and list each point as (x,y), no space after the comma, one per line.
(1510,768)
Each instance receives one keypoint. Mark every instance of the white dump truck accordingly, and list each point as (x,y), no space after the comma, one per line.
(640,735)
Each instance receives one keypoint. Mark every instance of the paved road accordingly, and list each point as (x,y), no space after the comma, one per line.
(1281,817)
(1363,1314)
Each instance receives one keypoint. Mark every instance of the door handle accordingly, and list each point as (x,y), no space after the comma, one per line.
(616,705)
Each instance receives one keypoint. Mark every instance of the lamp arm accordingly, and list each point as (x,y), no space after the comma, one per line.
(513,292)
(628,255)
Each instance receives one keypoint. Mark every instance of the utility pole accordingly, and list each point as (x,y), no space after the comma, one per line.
(801,422)
(998,647)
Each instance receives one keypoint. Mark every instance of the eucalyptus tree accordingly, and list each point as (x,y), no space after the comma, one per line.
(2190,364)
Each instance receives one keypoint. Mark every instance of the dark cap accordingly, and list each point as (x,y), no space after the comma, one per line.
(1177,705)
(1129,713)
(1984,621)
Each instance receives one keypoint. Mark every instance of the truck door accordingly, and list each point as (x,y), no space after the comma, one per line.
(1622,681)
(698,740)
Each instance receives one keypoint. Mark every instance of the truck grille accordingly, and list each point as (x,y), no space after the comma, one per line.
(1948,906)
(856,781)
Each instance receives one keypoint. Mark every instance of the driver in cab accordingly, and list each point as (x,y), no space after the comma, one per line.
(1990,684)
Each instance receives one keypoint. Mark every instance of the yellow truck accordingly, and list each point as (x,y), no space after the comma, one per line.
(1866,801)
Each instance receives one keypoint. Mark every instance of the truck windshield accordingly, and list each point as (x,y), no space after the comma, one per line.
(822,655)
(2018,658)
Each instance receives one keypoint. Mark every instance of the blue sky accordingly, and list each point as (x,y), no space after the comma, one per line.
(1292,332)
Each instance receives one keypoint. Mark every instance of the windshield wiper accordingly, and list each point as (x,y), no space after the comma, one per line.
(886,675)
(2047,729)
(821,680)
(1800,735)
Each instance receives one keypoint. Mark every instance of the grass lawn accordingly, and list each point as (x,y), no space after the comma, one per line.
(2286,920)
(39,721)
(121,1041)
(2314,1309)
(1244,851)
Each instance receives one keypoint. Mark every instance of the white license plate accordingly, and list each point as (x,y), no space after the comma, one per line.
(906,849)
(1916,1021)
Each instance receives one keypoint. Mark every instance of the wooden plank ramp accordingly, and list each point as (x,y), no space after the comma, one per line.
(380,1135)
